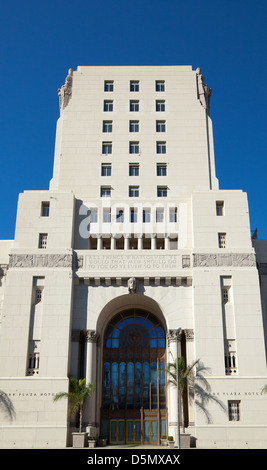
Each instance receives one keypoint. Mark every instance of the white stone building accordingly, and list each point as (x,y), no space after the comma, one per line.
(133,240)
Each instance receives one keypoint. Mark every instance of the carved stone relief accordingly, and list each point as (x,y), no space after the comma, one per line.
(39,260)
(65,92)
(227,259)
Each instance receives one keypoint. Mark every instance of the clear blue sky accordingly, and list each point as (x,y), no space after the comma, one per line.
(41,40)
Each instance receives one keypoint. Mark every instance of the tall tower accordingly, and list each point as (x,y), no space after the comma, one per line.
(133,243)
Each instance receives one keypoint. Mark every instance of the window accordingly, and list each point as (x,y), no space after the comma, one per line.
(160,105)
(134,169)
(45,209)
(134,126)
(134,147)
(225,295)
(173,214)
(219,208)
(105,191)
(42,240)
(38,295)
(160,126)
(234,410)
(108,85)
(161,169)
(106,169)
(146,215)
(107,126)
(93,215)
(133,215)
(161,147)
(222,240)
(134,85)
(134,105)
(107,215)
(160,85)
(160,215)
(120,216)
(106,148)
(162,191)
(133,191)
(108,105)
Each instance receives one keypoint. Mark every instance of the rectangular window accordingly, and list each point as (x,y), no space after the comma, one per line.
(133,215)
(93,215)
(108,105)
(106,215)
(106,148)
(38,295)
(219,208)
(225,295)
(134,147)
(160,105)
(120,216)
(134,169)
(133,191)
(105,191)
(173,214)
(106,169)
(234,410)
(222,240)
(134,85)
(134,126)
(161,169)
(146,215)
(161,147)
(43,240)
(160,85)
(162,191)
(109,85)
(107,126)
(134,105)
(160,215)
(45,209)
(160,126)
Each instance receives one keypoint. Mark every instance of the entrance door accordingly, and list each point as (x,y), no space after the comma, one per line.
(133,434)
(150,431)
(117,431)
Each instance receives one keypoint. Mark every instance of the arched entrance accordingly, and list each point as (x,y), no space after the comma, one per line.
(134,387)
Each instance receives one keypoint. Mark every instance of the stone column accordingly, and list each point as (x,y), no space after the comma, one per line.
(127,241)
(113,243)
(167,242)
(140,242)
(153,241)
(90,337)
(172,390)
(99,242)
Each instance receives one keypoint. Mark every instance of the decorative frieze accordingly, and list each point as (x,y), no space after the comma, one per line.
(172,335)
(40,261)
(214,260)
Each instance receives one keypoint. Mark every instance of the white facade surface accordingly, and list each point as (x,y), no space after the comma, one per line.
(132,241)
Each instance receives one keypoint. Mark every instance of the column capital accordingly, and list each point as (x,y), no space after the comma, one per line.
(172,334)
(90,336)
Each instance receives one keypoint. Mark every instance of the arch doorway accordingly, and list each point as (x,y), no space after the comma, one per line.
(134,387)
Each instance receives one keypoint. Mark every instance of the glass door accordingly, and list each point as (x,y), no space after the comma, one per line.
(117,431)
(133,434)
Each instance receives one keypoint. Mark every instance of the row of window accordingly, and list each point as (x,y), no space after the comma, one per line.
(134,85)
(133,191)
(134,147)
(134,126)
(134,171)
(133,214)
(134,106)
(161,169)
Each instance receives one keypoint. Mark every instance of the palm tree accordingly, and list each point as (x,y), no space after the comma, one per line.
(185,379)
(78,394)
(197,385)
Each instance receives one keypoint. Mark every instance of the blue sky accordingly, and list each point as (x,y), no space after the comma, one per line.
(41,40)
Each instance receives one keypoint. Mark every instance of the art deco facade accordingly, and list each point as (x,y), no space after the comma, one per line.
(133,240)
